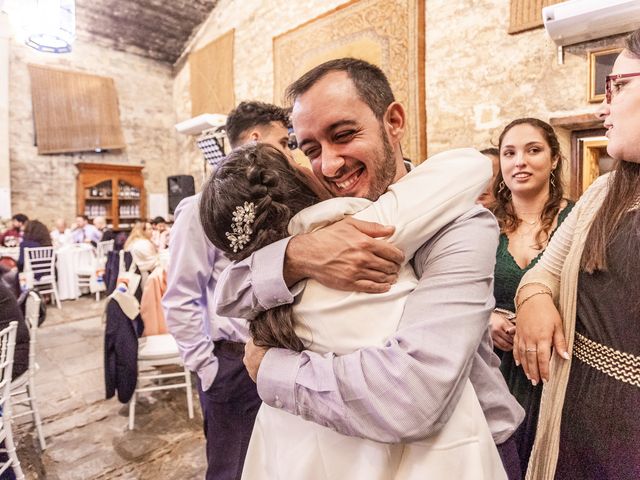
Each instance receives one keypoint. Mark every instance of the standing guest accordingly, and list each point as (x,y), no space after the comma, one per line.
(589,425)
(142,249)
(161,233)
(105,233)
(212,345)
(84,232)
(61,235)
(529,206)
(18,222)
(487,198)
(36,234)
(349,125)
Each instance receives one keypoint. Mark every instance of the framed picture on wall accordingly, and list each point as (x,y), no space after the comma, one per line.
(600,65)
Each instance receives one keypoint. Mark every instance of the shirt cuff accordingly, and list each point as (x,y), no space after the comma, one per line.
(277,379)
(207,374)
(268,282)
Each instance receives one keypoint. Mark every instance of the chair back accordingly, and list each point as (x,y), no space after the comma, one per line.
(31,318)
(7,347)
(41,261)
(103,248)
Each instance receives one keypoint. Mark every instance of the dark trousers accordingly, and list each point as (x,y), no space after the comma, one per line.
(229,408)
(510,459)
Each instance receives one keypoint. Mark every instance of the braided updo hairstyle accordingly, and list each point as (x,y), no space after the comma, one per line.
(260,174)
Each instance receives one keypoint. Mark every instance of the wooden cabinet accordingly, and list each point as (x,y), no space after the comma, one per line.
(112,191)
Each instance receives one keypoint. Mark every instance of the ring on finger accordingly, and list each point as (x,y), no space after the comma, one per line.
(530,350)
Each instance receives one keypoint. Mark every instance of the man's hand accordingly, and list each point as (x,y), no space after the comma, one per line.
(253,356)
(538,328)
(502,331)
(347,255)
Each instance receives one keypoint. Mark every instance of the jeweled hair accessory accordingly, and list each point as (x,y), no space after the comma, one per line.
(241,231)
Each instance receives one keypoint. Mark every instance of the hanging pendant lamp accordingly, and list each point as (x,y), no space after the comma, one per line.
(52,26)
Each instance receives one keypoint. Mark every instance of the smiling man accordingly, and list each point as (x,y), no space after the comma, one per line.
(350,127)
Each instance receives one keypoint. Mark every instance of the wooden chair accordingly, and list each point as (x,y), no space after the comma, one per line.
(41,262)
(7,347)
(23,390)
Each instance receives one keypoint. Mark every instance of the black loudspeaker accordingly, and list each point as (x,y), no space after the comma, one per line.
(179,187)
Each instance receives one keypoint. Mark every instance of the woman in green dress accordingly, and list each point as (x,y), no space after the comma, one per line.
(529,206)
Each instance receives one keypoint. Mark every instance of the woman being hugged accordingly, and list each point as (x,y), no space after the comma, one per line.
(529,207)
(589,427)
(255,198)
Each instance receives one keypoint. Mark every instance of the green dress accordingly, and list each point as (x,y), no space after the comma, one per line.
(507,277)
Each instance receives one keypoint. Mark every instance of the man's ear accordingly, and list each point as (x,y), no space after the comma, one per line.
(254,135)
(395,119)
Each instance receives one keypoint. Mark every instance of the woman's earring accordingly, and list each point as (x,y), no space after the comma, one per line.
(552,177)
(501,186)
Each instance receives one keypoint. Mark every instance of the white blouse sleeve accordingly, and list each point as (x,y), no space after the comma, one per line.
(430,196)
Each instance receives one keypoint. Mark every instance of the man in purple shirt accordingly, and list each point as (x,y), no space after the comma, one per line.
(350,127)
(212,345)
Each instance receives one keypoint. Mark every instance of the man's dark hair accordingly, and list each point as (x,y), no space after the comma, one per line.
(491,151)
(370,81)
(248,115)
(19,217)
(157,220)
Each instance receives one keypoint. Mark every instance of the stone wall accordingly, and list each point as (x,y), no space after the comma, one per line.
(478,77)
(43,186)
(256,22)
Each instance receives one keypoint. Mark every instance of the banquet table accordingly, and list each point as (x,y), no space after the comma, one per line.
(71,260)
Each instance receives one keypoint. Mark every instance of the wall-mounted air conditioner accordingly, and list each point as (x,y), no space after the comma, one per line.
(578,21)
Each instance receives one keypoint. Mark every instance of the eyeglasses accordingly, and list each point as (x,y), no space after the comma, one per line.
(610,90)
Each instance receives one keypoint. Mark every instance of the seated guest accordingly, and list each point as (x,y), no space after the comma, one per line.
(85,232)
(9,312)
(161,230)
(139,243)
(36,234)
(61,234)
(17,225)
(487,199)
(101,224)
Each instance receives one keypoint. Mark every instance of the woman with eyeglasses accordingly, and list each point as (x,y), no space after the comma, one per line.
(589,425)
(529,206)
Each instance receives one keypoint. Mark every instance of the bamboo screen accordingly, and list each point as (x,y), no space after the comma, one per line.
(527,14)
(211,70)
(74,112)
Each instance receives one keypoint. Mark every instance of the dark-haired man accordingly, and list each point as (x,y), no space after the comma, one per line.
(212,345)
(349,125)
(18,222)
(258,122)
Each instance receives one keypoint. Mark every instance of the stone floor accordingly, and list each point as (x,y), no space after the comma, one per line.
(87,436)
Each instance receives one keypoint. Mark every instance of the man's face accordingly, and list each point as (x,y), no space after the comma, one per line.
(276,135)
(80,222)
(346,144)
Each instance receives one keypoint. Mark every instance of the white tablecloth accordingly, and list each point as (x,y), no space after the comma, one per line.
(13,252)
(72,259)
